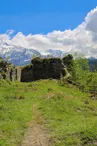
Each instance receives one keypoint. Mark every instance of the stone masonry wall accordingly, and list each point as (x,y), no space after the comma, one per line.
(43,69)
(38,69)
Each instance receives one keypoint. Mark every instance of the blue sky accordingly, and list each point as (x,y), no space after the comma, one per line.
(31,19)
(43,16)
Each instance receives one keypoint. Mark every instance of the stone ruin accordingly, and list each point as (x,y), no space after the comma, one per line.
(39,68)
(9,72)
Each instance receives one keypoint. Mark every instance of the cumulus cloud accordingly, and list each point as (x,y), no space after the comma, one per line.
(82,39)
(91,21)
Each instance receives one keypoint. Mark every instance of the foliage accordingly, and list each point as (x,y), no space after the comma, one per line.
(68,61)
(44,60)
(29,66)
(80,70)
(1,59)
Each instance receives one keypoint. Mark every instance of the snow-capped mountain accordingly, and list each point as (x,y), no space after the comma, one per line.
(17,54)
(21,56)
(56,53)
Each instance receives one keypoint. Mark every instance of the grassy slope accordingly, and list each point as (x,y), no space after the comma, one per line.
(70,116)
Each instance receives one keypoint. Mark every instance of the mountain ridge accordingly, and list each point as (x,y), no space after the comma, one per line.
(18,55)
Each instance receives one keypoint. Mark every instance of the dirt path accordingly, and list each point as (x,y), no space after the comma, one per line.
(36,136)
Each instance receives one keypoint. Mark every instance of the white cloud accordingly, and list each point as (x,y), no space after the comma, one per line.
(91,20)
(9,32)
(82,39)
(4,38)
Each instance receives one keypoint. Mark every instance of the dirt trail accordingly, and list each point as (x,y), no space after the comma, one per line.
(36,136)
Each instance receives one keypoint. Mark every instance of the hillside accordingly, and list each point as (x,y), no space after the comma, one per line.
(69,116)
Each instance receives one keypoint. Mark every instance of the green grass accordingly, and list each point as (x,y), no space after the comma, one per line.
(70,115)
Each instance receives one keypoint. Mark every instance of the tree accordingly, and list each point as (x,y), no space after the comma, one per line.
(92,83)
(80,70)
